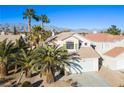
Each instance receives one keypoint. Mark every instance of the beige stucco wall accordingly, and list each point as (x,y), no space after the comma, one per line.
(72,39)
(110,62)
(75,38)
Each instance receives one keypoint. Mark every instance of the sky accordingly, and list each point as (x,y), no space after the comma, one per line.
(68,16)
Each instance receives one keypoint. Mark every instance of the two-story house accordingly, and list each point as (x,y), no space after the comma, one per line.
(75,43)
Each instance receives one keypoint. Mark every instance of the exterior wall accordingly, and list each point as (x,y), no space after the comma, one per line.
(114,63)
(84,65)
(110,62)
(84,40)
(102,47)
(76,39)
(121,43)
(71,39)
(120,61)
(120,64)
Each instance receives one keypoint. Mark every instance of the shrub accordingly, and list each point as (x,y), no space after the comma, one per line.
(74,84)
(26,84)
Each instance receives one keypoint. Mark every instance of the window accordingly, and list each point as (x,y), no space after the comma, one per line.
(70,45)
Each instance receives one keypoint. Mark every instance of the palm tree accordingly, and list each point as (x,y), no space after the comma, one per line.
(6,52)
(44,19)
(26,61)
(38,35)
(50,58)
(20,44)
(29,13)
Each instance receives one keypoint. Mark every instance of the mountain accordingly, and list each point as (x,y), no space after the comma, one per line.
(23,27)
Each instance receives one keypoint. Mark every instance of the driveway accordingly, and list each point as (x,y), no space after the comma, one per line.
(88,79)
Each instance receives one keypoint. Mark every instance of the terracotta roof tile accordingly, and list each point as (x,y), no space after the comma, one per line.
(115,51)
(103,37)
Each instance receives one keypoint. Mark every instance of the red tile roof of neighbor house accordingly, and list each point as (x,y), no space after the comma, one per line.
(115,51)
(103,37)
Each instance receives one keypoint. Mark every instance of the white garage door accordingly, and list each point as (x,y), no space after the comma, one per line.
(85,66)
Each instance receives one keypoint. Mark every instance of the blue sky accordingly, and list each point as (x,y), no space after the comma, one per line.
(83,16)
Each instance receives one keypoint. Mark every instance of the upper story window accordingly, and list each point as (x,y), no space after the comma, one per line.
(70,45)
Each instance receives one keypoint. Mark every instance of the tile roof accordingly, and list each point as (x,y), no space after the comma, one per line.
(115,51)
(87,52)
(64,35)
(60,36)
(103,37)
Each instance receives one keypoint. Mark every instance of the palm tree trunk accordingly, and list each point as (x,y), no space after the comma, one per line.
(29,24)
(27,73)
(50,77)
(3,70)
(16,68)
(21,75)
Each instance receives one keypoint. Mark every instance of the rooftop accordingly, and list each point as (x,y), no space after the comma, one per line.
(103,37)
(115,52)
(87,52)
(64,35)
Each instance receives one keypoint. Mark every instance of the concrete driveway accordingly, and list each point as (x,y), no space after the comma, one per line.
(88,79)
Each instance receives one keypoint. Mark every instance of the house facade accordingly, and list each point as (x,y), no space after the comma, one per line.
(88,58)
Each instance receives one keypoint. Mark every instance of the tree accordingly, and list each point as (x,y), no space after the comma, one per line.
(6,52)
(17,49)
(113,30)
(38,35)
(15,30)
(29,13)
(44,19)
(26,61)
(37,28)
(51,59)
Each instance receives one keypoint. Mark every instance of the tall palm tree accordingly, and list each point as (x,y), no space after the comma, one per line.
(49,59)
(44,19)
(6,52)
(29,13)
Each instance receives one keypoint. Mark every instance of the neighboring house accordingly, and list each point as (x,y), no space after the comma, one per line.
(114,58)
(88,58)
(103,42)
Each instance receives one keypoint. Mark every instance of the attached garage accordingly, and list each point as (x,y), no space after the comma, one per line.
(88,61)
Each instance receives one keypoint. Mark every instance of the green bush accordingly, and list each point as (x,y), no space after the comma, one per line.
(26,84)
